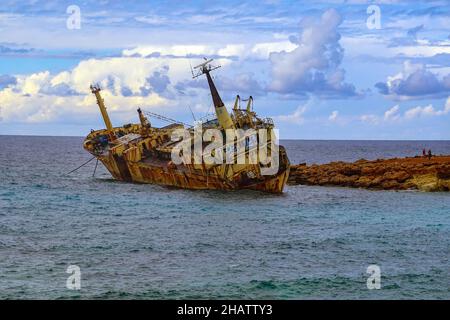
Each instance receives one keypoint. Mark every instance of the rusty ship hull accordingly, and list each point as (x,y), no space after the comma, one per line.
(156,172)
(126,162)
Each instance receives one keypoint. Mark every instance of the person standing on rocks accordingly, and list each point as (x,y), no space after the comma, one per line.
(424,152)
(429,154)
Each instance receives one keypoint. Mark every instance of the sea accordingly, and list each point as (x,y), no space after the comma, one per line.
(85,236)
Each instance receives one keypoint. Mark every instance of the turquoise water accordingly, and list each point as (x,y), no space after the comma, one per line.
(146,242)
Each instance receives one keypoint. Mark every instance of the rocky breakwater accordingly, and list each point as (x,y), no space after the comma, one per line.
(418,173)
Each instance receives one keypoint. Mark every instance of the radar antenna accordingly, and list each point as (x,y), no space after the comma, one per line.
(222,114)
(204,67)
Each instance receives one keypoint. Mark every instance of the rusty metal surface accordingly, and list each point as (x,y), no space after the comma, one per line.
(127,162)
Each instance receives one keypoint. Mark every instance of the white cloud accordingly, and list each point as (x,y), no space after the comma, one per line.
(264,49)
(176,50)
(128,82)
(258,50)
(419,111)
(370,118)
(361,45)
(152,19)
(232,50)
(43,97)
(414,81)
(333,116)
(407,22)
(313,66)
(420,50)
(33,83)
(427,111)
(296,117)
(392,113)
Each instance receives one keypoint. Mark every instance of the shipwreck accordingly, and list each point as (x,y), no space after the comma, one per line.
(142,153)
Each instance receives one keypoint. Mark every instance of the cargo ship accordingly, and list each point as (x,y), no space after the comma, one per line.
(142,153)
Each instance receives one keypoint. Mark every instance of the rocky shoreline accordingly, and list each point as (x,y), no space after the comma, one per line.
(415,173)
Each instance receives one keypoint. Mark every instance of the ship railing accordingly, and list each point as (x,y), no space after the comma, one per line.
(268,121)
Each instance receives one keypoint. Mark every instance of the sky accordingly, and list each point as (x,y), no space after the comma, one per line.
(322,70)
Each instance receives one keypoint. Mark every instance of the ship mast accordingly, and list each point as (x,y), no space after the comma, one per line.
(222,114)
(95,89)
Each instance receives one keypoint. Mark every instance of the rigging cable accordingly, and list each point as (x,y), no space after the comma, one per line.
(163,118)
(81,165)
(95,169)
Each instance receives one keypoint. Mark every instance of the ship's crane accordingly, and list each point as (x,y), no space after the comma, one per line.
(95,89)
(166,119)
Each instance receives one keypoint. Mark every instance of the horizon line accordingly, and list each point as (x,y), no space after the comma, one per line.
(284,139)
